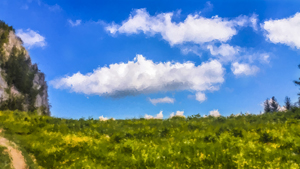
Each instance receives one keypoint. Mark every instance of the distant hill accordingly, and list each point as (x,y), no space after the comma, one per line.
(22,85)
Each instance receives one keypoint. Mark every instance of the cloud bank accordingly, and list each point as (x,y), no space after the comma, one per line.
(31,38)
(143,76)
(194,28)
(194,34)
(285,31)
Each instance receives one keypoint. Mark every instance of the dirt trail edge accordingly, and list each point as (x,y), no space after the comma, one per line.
(18,161)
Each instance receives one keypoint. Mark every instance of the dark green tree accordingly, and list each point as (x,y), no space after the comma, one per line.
(298,83)
(288,104)
(274,105)
(20,75)
(267,106)
(297,104)
(18,71)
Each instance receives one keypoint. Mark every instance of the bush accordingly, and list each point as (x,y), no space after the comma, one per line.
(209,138)
(236,132)
(12,103)
(266,137)
(5,160)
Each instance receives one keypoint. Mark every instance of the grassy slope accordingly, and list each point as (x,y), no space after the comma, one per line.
(264,141)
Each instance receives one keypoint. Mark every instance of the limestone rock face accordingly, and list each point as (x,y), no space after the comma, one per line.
(13,41)
(40,83)
(39,100)
(3,86)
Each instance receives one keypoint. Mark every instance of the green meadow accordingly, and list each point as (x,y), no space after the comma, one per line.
(270,140)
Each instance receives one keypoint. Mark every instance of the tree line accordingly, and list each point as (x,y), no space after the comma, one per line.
(273,106)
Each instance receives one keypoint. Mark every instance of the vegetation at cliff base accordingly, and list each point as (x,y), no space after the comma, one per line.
(270,140)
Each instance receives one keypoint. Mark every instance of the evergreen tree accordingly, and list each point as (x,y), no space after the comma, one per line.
(267,106)
(274,105)
(298,83)
(297,103)
(288,104)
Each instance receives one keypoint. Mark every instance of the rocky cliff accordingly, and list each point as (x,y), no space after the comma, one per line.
(22,85)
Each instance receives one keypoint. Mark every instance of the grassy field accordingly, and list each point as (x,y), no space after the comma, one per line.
(252,141)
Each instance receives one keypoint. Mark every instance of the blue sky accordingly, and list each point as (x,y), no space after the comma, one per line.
(126,59)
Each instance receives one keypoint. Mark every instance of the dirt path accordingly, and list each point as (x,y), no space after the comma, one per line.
(18,161)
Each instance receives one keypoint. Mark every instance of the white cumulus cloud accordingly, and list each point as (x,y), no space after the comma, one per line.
(194,34)
(193,49)
(243,69)
(76,23)
(200,97)
(285,31)
(101,118)
(224,52)
(194,28)
(143,76)
(158,116)
(254,20)
(31,38)
(214,113)
(223,49)
(162,100)
(178,113)
(264,58)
